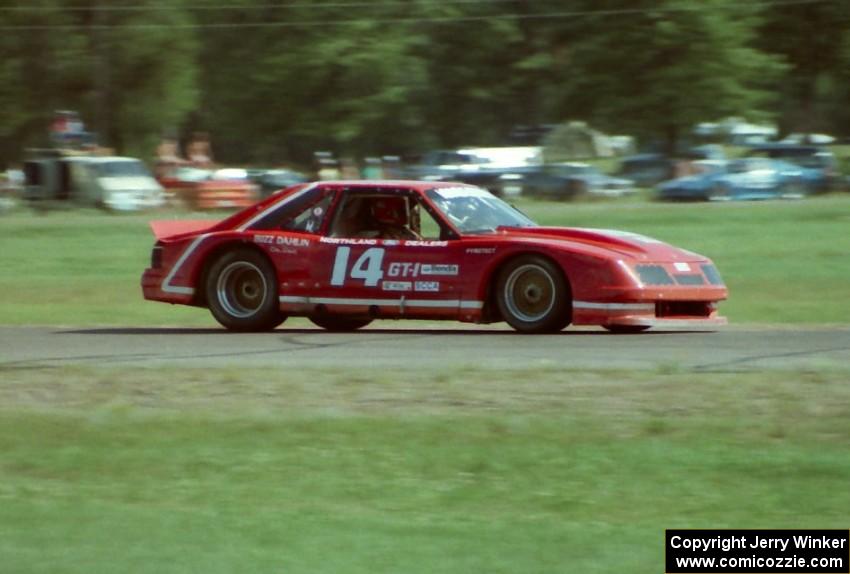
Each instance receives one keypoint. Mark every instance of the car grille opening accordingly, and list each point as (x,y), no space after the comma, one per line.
(684,309)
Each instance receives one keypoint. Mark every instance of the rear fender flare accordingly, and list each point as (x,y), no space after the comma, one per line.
(212,254)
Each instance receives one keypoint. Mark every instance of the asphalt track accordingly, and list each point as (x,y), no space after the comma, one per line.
(404,345)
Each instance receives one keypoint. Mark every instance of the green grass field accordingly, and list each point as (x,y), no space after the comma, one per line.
(168,470)
(174,470)
(784,262)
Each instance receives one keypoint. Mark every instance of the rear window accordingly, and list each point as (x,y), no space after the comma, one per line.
(295,212)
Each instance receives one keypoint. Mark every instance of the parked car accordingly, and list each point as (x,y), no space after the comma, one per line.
(823,172)
(438,165)
(567,181)
(53,180)
(11,186)
(271,180)
(648,169)
(747,178)
(814,139)
(345,253)
(476,166)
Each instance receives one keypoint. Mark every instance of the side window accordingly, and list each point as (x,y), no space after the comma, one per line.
(306,212)
(374,216)
(425,224)
(350,215)
(384,216)
(310,219)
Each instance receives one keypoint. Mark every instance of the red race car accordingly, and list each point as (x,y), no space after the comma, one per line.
(345,253)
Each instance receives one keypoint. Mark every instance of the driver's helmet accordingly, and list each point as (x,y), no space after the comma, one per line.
(390,211)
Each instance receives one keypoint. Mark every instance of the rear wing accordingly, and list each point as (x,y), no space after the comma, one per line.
(163,229)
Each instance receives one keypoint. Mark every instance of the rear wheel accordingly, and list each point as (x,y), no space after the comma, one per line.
(533,296)
(339,324)
(241,289)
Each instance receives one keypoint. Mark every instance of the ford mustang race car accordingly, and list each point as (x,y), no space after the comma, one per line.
(345,253)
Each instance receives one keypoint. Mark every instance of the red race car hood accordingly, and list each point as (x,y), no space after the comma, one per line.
(622,242)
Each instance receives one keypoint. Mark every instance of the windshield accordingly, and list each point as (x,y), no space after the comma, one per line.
(574,169)
(453,158)
(473,210)
(122,169)
(751,164)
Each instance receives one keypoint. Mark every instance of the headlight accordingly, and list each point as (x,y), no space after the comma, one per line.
(711,273)
(654,275)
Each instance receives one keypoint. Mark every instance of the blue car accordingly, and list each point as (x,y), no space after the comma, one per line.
(817,162)
(740,179)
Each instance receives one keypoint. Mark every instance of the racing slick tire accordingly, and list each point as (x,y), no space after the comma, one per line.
(339,324)
(626,329)
(533,296)
(575,189)
(241,290)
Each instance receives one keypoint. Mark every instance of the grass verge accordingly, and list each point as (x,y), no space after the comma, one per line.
(174,470)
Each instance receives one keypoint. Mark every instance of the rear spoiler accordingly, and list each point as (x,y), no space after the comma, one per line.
(166,228)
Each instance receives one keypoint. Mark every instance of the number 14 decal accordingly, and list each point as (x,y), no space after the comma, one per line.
(367,267)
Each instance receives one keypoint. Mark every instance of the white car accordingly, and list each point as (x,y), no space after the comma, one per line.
(111,182)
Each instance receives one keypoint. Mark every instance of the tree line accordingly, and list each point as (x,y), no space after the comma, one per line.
(273,80)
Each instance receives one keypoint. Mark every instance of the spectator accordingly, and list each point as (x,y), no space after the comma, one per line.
(168,157)
(199,150)
(328,169)
(349,169)
(67,130)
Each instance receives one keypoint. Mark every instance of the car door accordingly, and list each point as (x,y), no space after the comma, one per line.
(385,277)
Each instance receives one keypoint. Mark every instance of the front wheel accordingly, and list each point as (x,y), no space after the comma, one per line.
(791,190)
(241,289)
(577,188)
(339,324)
(719,192)
(533,296)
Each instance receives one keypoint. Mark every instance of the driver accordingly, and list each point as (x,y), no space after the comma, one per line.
(390,218)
